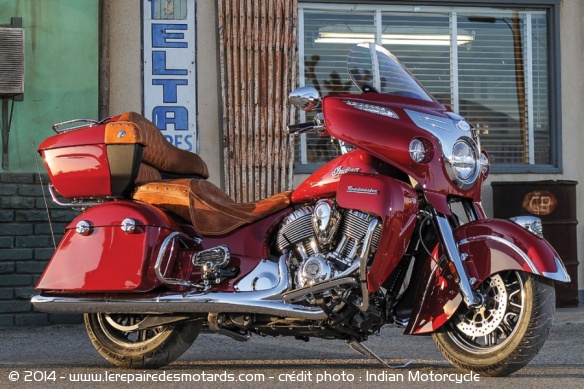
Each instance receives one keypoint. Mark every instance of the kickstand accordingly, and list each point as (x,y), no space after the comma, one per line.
(364,350)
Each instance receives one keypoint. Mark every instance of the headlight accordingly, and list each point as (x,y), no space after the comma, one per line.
(417,151)
(463,160)
(464,164)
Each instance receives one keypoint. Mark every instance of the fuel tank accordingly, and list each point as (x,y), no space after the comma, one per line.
(325,181)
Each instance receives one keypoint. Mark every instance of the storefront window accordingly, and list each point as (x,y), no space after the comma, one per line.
(490,65)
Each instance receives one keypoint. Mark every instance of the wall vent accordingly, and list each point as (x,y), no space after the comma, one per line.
(11,61)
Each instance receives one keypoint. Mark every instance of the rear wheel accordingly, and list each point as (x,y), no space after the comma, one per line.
(507,331)
(120,339)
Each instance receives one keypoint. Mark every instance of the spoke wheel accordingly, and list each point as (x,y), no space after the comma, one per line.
(120,340)
(506,331)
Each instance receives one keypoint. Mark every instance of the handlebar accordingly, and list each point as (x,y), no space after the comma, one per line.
(300,128)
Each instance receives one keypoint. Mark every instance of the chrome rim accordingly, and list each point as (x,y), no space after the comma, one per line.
(123,330)
(489,327)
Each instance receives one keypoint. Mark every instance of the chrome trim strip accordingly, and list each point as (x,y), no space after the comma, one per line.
(559,275)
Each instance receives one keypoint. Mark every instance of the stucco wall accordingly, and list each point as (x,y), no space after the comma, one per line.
(126,74)
(61,70)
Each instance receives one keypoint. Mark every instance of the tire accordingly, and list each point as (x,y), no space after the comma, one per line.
(117,340)
(507,332)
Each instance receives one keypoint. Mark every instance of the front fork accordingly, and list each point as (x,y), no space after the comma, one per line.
(453,255)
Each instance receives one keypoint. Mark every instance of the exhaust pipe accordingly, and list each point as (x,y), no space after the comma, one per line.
(265,302)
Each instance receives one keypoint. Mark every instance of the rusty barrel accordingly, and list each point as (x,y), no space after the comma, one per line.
(554,202)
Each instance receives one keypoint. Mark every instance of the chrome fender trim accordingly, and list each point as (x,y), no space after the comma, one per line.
(559,275)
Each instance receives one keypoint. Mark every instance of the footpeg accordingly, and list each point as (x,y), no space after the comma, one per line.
(212,263)
(218,256)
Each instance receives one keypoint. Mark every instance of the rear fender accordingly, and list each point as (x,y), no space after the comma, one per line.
(489,247)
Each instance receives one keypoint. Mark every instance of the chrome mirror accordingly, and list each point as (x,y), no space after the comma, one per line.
(305,98)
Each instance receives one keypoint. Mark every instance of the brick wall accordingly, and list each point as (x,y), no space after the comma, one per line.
(26,244)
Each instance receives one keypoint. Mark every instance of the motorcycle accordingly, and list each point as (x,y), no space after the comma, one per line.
(392,232)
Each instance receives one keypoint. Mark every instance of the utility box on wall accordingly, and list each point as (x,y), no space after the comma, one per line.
(554,202)
(11,61)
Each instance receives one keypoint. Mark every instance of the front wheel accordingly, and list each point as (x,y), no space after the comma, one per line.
(507,331)
(120,339)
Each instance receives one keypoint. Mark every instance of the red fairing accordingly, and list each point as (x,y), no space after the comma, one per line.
(109,259)
(437,297)
(388,139)
(396,203)
(491,246)
(323,183)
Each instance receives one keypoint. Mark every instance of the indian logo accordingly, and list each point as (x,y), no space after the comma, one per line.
(339,171)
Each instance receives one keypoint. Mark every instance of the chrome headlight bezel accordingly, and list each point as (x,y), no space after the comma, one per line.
(463,164)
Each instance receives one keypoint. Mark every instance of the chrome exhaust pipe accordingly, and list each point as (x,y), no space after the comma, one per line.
(265,302)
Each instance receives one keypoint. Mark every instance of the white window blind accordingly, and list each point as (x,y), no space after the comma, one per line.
(490,65)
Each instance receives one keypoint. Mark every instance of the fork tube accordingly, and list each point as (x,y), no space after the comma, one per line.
(451,251)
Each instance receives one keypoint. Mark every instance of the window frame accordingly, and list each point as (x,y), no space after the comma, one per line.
(553,56)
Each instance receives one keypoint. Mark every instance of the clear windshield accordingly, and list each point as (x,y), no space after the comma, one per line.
(373,68)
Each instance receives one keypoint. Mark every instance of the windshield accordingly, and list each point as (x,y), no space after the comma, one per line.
(374,69)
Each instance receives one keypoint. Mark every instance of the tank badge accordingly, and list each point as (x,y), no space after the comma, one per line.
(339,171)
(352,189)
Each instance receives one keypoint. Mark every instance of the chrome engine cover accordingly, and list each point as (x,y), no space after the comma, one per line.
(326,220)
(324,240)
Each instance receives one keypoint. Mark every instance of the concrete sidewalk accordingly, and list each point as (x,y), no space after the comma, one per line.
(569,315)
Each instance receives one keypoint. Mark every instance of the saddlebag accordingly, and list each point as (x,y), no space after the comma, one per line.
(100,253)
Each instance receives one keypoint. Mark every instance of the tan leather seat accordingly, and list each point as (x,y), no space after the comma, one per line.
(161,155)
(210,210)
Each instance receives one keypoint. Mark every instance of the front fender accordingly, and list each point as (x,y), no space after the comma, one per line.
(488,247)
(496,245)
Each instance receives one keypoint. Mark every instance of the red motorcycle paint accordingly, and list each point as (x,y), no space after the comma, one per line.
(491,246)
(323,183)
(109,259)
(397,205)
(248,245)
(388,139)
(97,161)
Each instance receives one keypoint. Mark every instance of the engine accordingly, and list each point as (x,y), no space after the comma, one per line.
(324,240)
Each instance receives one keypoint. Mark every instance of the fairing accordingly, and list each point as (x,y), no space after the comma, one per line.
(388,139)
(397,205)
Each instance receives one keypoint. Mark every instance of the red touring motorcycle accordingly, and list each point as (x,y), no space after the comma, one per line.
(390,232)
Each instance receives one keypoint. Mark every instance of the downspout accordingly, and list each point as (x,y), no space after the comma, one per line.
(104,58)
